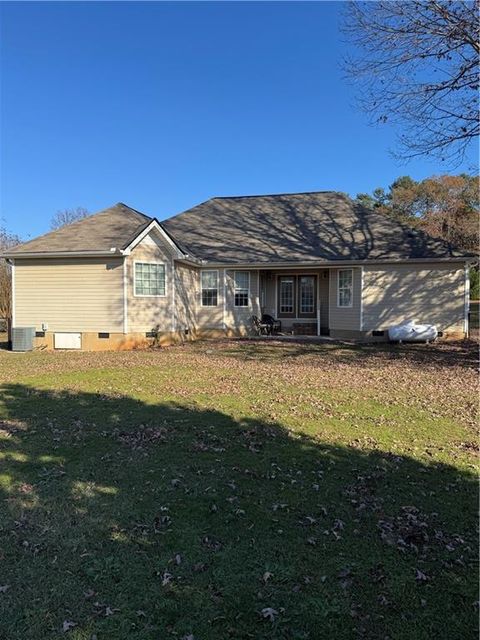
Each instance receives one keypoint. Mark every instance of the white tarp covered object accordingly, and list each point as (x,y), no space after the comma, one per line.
(412,332)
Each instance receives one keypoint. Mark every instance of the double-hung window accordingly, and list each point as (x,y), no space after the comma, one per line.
(242,288)
(149,279)
(209,288)
(345,288)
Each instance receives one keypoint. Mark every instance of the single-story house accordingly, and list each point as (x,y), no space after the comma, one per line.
(317,261)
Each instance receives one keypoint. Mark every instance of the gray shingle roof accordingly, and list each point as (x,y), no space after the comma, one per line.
(299,227)
(112,227)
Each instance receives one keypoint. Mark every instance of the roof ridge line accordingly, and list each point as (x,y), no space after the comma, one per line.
(123,204)
(273,195)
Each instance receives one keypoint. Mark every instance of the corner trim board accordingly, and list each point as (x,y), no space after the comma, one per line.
(125,296)
(466,299)
(224,296)
(174,321)
(361,298)
(318,305)
(13,293)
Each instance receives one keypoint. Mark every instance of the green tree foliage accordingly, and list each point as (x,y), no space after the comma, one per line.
(445,207)
(474,284)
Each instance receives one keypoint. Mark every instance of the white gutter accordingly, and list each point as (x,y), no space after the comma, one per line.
(64,254)
(321,265)
(205,264)
(193,262)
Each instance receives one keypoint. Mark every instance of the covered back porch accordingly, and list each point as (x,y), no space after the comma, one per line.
(299,298)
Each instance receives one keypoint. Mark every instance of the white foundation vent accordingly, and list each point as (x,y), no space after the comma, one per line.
(67,340)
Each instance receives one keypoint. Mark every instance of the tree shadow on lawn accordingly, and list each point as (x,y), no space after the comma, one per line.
(461,353)
(159,521)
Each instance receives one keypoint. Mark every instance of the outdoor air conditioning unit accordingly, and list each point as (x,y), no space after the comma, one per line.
(22,338)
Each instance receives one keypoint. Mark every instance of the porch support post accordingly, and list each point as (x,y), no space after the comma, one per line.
(318,303)
(174,321)
(125,295)
(259,306)
(361,298)
(224,286)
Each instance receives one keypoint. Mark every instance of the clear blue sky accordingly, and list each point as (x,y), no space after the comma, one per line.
(164,105)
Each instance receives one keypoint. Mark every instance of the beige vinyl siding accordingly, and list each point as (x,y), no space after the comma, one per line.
(432,294)
(148,313)
(239,317)
(70,294)
(186,288)
(345,318)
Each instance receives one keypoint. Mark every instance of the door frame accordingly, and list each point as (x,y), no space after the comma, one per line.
(313,314)
(296,314)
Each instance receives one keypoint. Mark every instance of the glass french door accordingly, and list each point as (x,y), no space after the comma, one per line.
(286,296)
(297,296)
(307,296)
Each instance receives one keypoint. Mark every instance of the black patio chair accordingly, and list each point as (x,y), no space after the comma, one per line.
(275,325)
(260,328)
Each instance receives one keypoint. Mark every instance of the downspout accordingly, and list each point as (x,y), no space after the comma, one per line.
(224,299)
(361,298)
(13,293)
(174,327)
(125,296)
(466,327)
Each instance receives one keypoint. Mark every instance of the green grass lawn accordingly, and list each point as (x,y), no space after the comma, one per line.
(239,490)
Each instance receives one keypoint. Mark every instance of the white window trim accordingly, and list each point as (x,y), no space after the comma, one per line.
(154,225)
(344,306)
(206,306)
(241,306)
(148,295)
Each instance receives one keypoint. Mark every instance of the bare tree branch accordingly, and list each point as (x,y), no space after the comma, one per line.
(67,216)
(7,240)
(416,65)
